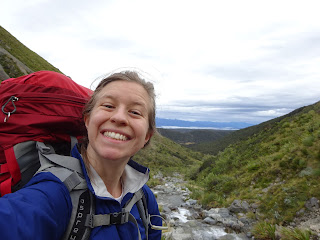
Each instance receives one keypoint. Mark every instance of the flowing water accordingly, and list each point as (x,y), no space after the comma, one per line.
(185,222)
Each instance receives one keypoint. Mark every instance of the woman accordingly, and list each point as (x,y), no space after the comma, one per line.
(120,120)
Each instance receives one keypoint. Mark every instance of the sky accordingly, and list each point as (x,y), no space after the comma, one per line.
(222,61)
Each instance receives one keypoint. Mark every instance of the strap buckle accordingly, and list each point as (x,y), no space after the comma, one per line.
(119,217)
(89,221)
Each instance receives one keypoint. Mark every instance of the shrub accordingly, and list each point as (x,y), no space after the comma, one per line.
(264,231)
(295,234)
(308,141)
(220,183)
(211,199)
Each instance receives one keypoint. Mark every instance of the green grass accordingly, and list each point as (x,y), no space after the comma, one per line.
(168,157)
(278,167)
(295,234)
(264,231)
(22,53)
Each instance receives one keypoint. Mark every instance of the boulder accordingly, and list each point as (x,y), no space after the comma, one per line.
(312,203)
(238,206)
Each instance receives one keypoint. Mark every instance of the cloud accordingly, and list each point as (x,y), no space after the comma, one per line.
(209,60)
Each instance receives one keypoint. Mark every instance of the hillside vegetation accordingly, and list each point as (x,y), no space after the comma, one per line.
(190,137)
(17,60)
(214,147)
(168,157)
(277,167)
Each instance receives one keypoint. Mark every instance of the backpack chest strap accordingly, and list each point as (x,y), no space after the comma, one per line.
(122,217)
(93,221)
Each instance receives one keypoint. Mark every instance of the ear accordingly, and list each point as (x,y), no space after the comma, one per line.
(86,120)
(148,137)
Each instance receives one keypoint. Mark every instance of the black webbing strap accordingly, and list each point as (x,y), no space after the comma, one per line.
(122,217)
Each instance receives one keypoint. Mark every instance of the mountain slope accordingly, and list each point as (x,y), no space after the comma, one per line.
(167,156)
(214,147)
(277,167)
(193,136)
(17,60)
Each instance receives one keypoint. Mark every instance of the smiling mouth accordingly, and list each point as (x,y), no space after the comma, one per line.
(116,136)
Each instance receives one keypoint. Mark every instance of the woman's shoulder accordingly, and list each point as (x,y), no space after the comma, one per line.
(149,195)
(47,185)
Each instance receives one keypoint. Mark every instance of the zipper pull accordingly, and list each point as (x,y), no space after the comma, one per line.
(5,119)
(12,99)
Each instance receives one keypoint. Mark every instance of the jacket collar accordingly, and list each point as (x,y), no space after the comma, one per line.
(133,177)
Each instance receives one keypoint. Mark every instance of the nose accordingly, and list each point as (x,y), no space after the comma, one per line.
(119,117)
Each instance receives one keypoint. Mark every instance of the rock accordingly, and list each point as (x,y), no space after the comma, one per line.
(166,209)
(181,234)
(238,206)
(300,212)
(254,207)
(227,237)
(210,221)
(245,206)
(315,227)
(191,202)
(173,208)
(192,224)
(195,215)
(306,172)
(312,203)
(244,220)
(197,207)
(224,212)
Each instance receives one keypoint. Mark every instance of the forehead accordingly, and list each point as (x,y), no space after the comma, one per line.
(130,92)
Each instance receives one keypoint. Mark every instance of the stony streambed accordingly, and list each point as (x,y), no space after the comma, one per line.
(188,220)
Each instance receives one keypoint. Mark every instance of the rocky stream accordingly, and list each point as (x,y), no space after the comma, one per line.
(188,220)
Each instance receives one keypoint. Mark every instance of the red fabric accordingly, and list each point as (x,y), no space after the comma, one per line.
(12,165)
(49,108)
(50,79)
(4,168)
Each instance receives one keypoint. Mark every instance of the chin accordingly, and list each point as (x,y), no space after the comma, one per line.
(114,157)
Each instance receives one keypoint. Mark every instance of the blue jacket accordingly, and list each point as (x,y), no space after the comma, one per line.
(42,209)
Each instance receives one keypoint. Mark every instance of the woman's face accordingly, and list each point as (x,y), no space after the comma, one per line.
(118,125)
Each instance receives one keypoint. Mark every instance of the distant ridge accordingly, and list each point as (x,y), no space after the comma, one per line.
(176,123)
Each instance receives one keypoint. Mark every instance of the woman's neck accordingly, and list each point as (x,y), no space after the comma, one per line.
(110,172)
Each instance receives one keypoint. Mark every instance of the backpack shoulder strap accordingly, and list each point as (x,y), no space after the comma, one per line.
(143,211)
(68,170)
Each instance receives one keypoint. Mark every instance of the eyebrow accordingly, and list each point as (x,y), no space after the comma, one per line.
(134,103)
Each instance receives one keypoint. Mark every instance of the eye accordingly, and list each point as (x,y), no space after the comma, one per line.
(108,106)
(135,113)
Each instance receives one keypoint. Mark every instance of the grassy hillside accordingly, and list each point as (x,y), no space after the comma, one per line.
(214,147)
(277,168)
(167,156)
(193,136)
(23,54)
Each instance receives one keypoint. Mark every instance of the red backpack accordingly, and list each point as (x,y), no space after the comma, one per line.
(43,106)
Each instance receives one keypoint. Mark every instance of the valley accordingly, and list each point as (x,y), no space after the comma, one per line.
(273,166)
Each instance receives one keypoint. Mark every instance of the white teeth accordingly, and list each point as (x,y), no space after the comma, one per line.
(114,135)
